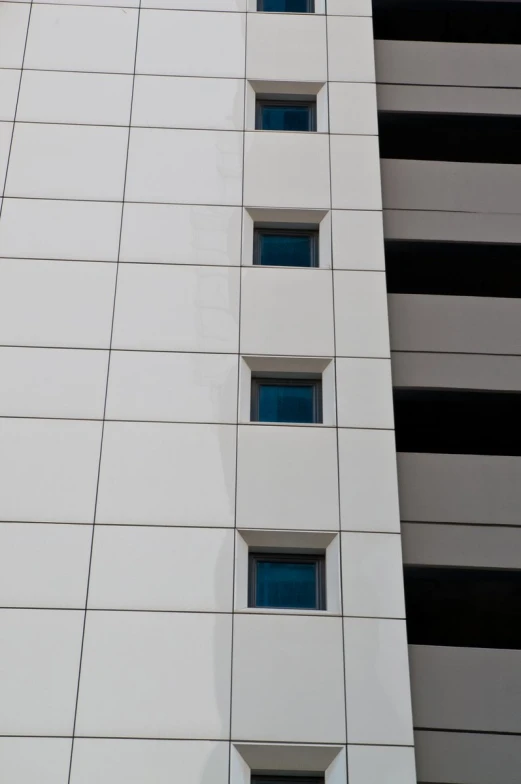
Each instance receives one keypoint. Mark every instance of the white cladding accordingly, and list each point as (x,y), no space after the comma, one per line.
(131,173)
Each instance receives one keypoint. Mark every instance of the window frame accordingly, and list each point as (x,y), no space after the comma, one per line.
(310,103)
(310,8)
(274,380)
(254,556)
(259,231)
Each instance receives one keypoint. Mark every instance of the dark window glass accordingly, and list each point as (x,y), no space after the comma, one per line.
(467,608)
(459,269)
(457,421)
(286,400)
(462,21)
(432,136)
(291,248)
(287,6)
(287,581)
(285,116)
(288,778)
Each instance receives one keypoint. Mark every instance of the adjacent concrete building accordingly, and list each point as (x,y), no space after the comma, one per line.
(449,82)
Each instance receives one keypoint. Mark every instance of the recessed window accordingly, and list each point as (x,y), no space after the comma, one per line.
(285,247)
(287,6)
(288,581)
(285,115)
(292,400)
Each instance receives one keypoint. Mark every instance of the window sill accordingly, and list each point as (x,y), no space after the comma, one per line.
(299,133)
(285,424)
(281,611)
(286,266)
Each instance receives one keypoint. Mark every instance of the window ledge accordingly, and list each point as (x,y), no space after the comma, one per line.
(281,611)
(285,424)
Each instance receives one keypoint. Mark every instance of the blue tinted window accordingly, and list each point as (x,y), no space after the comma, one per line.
(286,250)
(288,6)
(285,117)
(286,584)
(286,402)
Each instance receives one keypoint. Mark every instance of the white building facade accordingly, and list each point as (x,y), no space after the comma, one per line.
(136,324)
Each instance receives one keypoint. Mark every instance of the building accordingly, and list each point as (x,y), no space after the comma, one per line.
(204,505)
(449,122)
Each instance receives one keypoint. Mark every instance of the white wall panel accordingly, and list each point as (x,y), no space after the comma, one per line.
(185,102)
(374,764)
(287,679)
(286,312)
(296,46)
(154,761)
(83,38)
(368,487)
(275,177)
(39,659)
(197,5)
(44,382)
(6,132)
(364,393)
(352,108)
(186,167)
(9,81)
(181,234)
(358,242)
(56,303)
(13,30)
(167,474)
(362,328)
(54,229)
(67,162)
(149,568)
(372,575)
(349,7)
(44,565)
(350,49)
(49,469)
(287,478)
(104,3)
(177,308)
(377,682)
(156,675)
(61,97)
(172,387)
(355,173)
(45,760)
(190,43)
